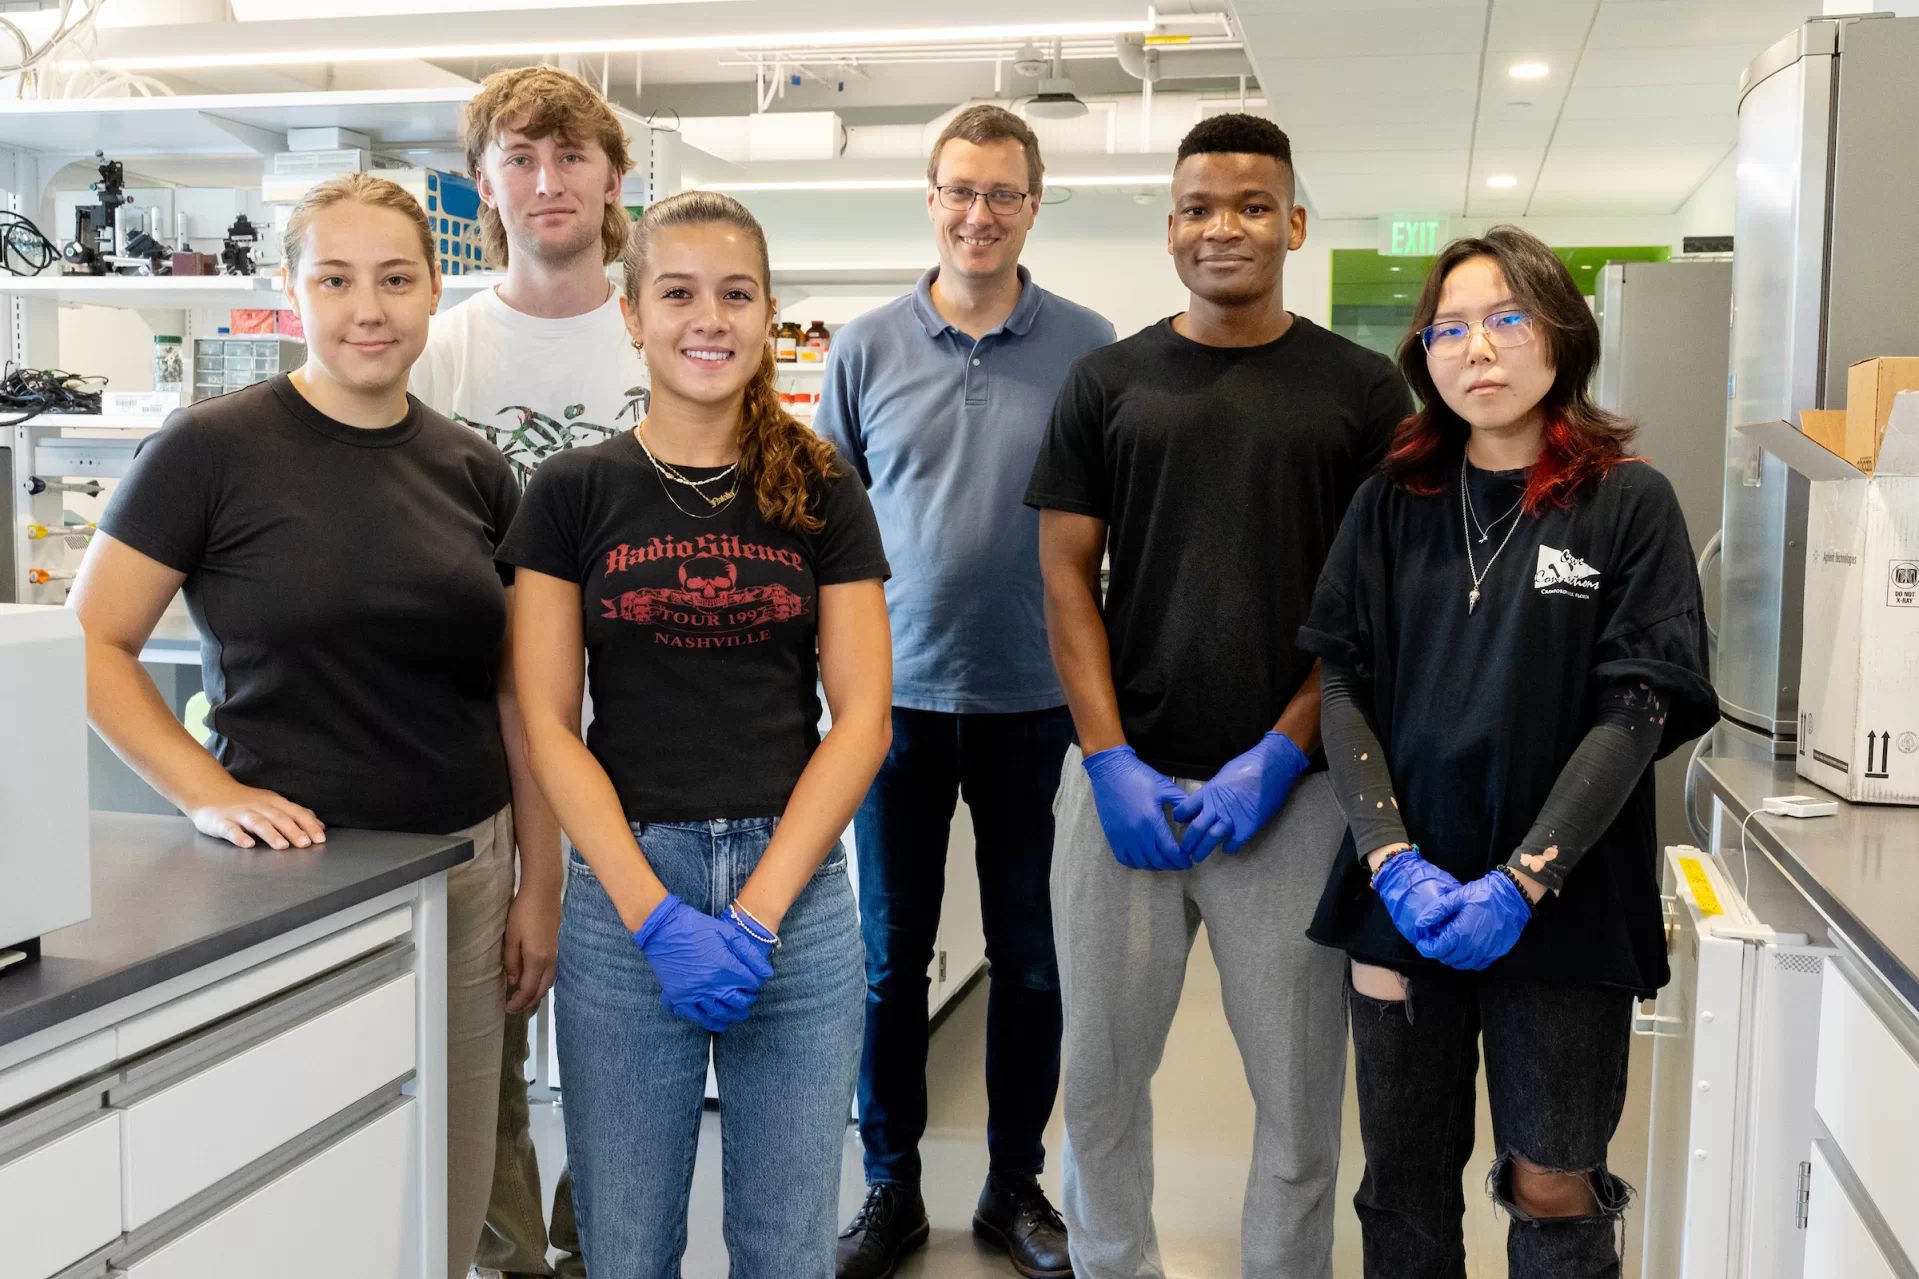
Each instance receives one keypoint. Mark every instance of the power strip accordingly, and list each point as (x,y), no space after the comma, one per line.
(1799,806)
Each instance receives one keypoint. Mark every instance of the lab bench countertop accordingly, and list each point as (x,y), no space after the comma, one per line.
(1859,868)
(168,900)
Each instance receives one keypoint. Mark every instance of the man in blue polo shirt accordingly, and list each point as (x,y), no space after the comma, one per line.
(940,400)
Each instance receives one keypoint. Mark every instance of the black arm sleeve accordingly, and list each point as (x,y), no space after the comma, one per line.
(1595,783)
(1357,761)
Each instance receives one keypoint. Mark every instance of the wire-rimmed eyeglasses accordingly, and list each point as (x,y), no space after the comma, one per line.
(1502,328)
(1000,201)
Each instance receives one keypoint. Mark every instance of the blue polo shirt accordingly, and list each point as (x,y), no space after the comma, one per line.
(944,431)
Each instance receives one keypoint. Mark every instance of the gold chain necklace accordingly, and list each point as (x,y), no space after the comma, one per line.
(665,472)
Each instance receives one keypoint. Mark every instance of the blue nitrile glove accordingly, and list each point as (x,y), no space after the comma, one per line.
(703,977)
(1241,797)
(1128,795)
(1415,893)
(1488,916)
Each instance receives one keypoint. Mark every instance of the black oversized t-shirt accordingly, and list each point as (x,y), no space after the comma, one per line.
(1222,473)
(700,633)
(1479,711)
(349,606)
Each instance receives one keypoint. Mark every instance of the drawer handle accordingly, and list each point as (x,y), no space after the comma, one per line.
(1653,1025)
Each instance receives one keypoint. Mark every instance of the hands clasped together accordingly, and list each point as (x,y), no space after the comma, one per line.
(710,970)
(1224,813)
(1464,926)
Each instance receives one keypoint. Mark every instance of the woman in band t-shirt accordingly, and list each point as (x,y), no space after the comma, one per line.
(335,539)
(1511,630)
(697,564)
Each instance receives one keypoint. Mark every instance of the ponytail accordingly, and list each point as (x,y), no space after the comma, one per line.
(781,459)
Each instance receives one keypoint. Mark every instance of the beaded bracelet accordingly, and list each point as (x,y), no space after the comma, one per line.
(1532,908)
(748,924)
(1410,848)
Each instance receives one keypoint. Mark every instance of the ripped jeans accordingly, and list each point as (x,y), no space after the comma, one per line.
(1555,1082)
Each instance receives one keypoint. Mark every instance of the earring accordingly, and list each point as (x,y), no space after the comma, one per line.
(637,349)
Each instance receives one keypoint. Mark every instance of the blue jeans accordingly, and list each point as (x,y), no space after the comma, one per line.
(1007,768)
(635,1075)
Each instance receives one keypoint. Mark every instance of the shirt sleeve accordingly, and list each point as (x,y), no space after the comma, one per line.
(1339,628)
(1356,760)
(164,507)
(838,417)
(1595,783)
(1652,615)
(848,549)
(545,533)
(1388,401)
(1070,473)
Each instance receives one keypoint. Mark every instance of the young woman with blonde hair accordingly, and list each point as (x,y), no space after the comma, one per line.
(700,572)
(335,539)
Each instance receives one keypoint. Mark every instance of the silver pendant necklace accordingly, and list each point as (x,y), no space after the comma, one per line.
(1485,530)
(1478,574)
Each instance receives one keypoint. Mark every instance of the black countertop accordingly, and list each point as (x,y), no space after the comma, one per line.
(1859,868)
(167,900)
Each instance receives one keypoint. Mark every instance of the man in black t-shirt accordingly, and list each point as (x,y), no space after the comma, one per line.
(1211,458)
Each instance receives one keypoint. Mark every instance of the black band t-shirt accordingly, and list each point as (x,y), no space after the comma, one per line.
(349,606)
(1222,474)
(700,632)
(1479,706)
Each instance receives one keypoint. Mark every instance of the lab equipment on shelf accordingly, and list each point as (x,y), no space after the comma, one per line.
(169,368)
(227,362)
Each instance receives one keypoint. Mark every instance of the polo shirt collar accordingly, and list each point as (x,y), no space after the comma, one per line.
(1017,323)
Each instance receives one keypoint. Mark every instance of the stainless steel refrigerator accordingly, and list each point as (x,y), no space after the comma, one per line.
(1663,348)
(1824,272)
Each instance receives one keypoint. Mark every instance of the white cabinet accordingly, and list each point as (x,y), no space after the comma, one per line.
(351,1210)
(212,1124)
(1868,1099)
(1838,1245)
(60,1202)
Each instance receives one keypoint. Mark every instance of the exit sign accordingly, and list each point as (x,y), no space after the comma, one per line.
(1413,235)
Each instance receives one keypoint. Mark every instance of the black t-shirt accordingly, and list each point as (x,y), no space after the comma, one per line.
(349,606)
(1222,473)
(1478,712)
(700,633)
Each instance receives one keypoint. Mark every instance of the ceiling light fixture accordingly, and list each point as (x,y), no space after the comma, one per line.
(662,44)
(1502,180)
(1528,70)
(1056,99)
(1031,62)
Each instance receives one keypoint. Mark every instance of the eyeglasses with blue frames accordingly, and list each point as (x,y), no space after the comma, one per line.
(1449,341)
(1003,202)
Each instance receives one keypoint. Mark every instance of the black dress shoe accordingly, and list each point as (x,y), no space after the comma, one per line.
(1014,1214)
(890,1224)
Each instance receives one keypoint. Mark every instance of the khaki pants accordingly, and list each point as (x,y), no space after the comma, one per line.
(477,896)
(515,1239)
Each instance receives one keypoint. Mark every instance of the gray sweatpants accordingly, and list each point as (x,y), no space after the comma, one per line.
(1123,937)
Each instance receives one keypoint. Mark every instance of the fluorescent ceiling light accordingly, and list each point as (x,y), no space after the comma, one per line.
(788,40)
(919,184)
(1527,70)
(1502,180)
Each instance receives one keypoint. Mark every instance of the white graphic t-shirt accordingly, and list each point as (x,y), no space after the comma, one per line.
(533,386)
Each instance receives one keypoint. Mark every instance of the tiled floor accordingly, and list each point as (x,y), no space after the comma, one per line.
(1203,1118)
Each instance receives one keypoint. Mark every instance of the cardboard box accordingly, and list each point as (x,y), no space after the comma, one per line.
(1859,663)
(1870,386)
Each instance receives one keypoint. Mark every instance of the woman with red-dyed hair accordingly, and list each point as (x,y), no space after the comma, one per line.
(1511,631)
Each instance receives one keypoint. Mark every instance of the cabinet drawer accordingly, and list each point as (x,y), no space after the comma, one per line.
(60,1201)
(1838,1245)
(352,1210)
(187,1137)
(1868,1096)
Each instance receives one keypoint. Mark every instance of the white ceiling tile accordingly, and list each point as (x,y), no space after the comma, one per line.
(1639,24)
(1323,164)
(1703,64)
(1652,102)
(1369,196)
(1342,79)
(1343,32)
(1707,130)
(1539,26)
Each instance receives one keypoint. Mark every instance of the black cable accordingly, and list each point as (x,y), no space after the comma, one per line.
(24,247)
(31,392)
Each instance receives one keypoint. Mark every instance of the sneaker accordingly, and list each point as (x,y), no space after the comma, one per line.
(891,1223)
(1014,1214)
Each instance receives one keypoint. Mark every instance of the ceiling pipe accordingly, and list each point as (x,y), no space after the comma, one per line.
(1150,64)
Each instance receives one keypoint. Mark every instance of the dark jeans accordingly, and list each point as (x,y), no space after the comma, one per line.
(1555,1081)
(1007,768)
